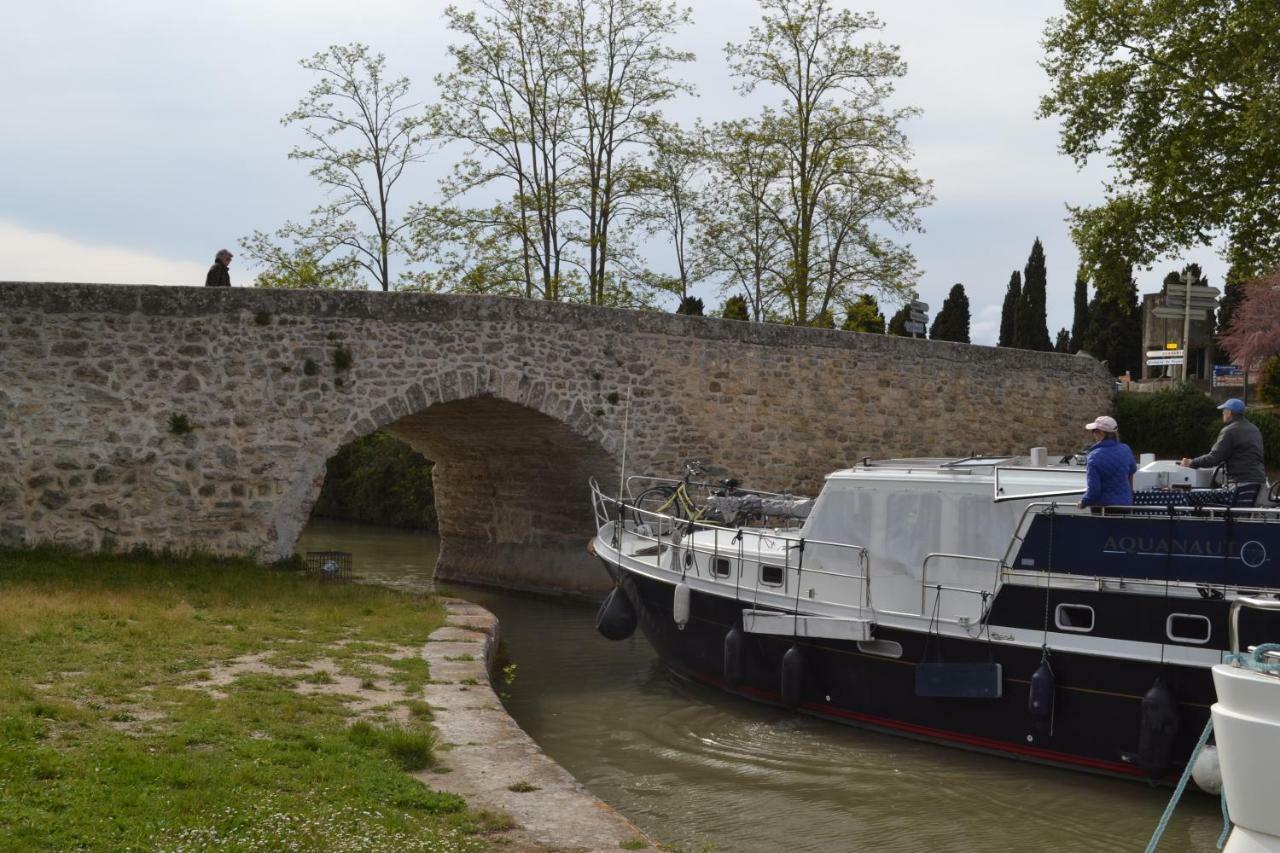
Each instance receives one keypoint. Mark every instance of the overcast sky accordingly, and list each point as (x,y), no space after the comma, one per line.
(140,137)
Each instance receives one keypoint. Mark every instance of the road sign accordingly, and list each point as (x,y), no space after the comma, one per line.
(1197,314)
(1165,353)
(1173,345)
(1228,376)
(917,316)
(1197,290)
(1164,362)
(1201,304)
(914,328)
(917,305)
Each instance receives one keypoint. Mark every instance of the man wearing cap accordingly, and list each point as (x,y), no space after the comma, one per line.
(1108,474)
(1239,448)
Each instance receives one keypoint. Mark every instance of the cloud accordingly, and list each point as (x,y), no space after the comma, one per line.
(984,327)
(30,255)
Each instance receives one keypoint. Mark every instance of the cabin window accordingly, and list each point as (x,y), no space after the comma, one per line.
(771,575)
(884,648)
(1188,628)
(1074,617)
(720,567)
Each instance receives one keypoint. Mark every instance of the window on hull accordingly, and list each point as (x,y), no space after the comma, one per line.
(1074,617)
(771,575)
(720,567)
(1188,628)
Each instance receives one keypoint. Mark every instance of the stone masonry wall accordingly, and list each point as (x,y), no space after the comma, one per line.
(518,402)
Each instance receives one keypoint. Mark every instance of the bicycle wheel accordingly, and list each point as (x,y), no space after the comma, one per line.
(652,504)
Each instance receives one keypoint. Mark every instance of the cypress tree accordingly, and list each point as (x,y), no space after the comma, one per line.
(1115,320)
(864,315)
(1031,329)
(1009,312)
(1080,317)
(952,321)
(1063,344)
(898,323)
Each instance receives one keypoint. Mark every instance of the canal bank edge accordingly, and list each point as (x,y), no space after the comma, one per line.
(489,755)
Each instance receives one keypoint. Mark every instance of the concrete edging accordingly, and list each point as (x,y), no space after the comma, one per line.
(489,752)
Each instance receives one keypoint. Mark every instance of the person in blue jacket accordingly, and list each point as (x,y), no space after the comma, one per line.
(1108,475)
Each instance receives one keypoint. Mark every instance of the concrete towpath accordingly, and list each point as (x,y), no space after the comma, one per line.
(489,754)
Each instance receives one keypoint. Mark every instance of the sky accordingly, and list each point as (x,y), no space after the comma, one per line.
(141,137)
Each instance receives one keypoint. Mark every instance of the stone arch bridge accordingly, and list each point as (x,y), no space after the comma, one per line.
(517,402)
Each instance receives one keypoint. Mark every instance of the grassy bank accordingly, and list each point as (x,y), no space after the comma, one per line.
(152,703)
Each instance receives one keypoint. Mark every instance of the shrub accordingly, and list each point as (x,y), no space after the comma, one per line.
(379,480)
(1182,421)
(180,424)
(1269,382)
(262,318)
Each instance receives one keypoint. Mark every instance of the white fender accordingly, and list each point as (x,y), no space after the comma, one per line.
(1207,772)
(681,604)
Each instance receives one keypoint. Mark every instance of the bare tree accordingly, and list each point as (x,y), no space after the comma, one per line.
(509,101)
(621,67)
(362,134)
(668,203)
(841,154)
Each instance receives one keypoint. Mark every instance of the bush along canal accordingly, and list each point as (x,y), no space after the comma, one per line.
(149,703)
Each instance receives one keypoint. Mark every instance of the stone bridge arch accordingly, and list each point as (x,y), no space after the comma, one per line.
(201,418)
(512,463)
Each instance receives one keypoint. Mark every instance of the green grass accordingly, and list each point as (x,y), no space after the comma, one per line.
(108,741)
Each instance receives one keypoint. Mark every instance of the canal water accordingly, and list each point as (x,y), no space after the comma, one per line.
(703,771)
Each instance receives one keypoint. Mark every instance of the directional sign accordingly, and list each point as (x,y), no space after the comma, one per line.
(917,316)
(914,328)
(1165,353)
(1197,291)
(1197,314)
(1163,362)
(1204,304)
(917,305)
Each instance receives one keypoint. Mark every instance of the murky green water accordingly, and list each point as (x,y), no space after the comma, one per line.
(706,771)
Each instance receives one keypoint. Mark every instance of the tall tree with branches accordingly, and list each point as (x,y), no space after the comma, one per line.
(620,66)
(841,155)
(362,133)
(668,202)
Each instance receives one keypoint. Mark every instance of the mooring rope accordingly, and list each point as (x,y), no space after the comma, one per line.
(1182,786)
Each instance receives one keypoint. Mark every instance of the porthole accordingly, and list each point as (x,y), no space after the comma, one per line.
(883,648)
(771,575)
(1074,617)
(720,567)
(1188,628)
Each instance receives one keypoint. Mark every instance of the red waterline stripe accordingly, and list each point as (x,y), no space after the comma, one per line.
(938,734)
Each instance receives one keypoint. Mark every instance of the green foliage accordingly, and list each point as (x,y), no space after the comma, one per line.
(411,749)
(864,315)
(1009,310)
(1030,329)
(262,318)
(1268,423)
(1178,422)
(294,267)
(1268,388)
(1080,314)
(379,480)
(1115,321)
(898,322)
(691,305)
(180,424)
(952,320)
(735,308)
(1183,98)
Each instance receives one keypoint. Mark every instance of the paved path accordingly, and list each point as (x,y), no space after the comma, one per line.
(490,753)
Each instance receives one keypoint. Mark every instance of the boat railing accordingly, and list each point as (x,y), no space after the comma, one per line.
(1242,603)
(925,586)
(667,534)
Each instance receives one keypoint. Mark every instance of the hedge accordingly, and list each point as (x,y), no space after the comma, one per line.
(378,480)
(1184,421)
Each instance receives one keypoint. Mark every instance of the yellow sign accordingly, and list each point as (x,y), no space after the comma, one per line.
(1173,346)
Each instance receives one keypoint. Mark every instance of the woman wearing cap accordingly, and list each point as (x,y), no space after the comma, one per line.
(1239,448)
(1108,475)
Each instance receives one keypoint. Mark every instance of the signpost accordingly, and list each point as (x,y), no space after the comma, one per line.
(917,317)
(1167,313)
(1166,353)
(1164,362)
(1228,376)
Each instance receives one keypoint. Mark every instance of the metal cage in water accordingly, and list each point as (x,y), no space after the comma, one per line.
(329,566)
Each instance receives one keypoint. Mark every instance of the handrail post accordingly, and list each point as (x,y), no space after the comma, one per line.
(1239,604)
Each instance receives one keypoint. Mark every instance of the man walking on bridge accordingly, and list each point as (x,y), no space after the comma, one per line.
(218,275)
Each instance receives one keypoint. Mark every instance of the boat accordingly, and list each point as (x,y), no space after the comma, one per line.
(963,601)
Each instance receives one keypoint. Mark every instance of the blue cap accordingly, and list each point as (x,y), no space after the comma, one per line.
(1234,405)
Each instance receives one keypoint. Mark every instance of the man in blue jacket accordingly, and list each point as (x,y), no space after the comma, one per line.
(1108,475)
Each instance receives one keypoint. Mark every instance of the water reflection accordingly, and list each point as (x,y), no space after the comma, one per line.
(696,767)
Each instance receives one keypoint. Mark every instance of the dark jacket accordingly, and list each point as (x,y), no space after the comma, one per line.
(1239,445)
(219,276)
(1107,473)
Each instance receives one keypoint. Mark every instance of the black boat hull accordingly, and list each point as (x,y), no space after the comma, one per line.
(1096,716)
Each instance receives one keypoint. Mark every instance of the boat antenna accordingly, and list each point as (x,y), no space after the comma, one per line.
(622,467)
